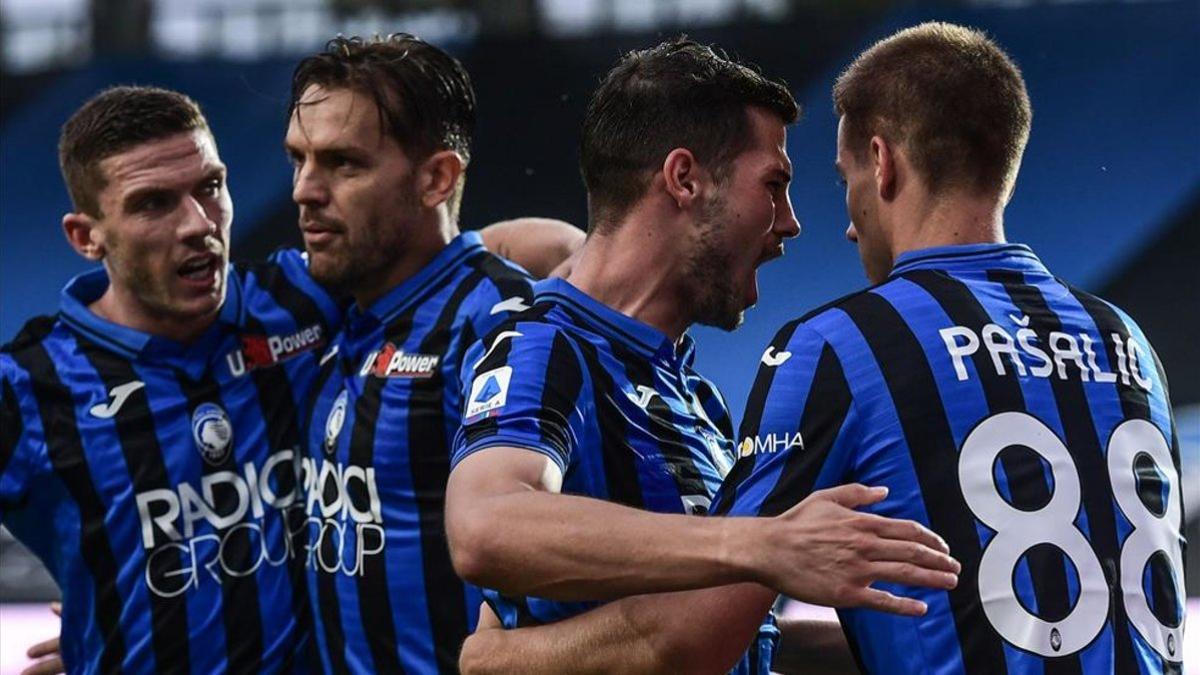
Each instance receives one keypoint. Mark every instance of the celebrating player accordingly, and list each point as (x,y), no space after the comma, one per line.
(150,430)
(591,393)
(1025,421)
(380,139)
(169,375)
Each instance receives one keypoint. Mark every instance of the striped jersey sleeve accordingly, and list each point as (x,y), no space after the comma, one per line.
(521,388)
(22,458)
(504,291)
(799,429)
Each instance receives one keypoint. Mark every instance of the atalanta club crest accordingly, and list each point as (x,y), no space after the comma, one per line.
(212,432)
(333,423)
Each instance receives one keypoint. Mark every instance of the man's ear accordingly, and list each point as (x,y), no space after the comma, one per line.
(439,176)
(884,161)
(84,235)
(682,177)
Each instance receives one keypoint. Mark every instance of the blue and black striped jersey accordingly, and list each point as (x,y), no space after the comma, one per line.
(1026,422)
(388,403)
(158,481)
(615,404)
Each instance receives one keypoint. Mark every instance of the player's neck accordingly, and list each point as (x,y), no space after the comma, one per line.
(423,245)
(128,312)
(949,221)
(647,255)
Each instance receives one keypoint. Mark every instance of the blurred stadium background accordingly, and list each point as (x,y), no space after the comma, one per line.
(1109,195)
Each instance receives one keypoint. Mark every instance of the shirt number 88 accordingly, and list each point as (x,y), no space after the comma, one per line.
(1017,531)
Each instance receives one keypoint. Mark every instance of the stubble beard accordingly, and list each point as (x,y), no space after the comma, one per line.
(715,301)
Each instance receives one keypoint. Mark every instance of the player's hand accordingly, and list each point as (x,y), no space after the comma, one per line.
(827,553)
(480,651)
(49,659)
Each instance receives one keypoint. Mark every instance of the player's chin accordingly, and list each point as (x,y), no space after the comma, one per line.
(327,269)
(195,305)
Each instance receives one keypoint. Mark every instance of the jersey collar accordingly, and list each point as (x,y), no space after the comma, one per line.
(969,256)
(413,289)
(641,337)
(86,288)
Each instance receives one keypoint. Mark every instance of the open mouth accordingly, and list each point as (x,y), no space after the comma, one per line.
(199,268)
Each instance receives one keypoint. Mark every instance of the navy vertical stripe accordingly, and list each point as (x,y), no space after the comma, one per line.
(927,433)
(1025,479)
(147,469)
(1084,446)
(55,405)
(239,594)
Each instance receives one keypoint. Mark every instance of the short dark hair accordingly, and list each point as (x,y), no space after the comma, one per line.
(112,122)
(950,95)
(679,94)
(423,95)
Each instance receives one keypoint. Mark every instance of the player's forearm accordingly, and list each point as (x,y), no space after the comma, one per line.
(693,632)
(813,646)
(564,547)
(598,642)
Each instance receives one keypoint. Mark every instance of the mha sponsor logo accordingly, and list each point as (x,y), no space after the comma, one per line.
(345,516)
(770,444)
(264,351)
(1062,354)
(194,533)
(391,361)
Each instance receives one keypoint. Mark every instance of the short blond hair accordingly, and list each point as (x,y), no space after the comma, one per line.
(950,96)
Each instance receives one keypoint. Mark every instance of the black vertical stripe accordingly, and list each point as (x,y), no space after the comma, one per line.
(819,425)
(429,462)
(1135,404)
(1025,480)
(671,443)
(927,433)
(509,282)
(147,468)
(11,424)
(239,594)
(494,358)
(65,448)
(752,420)
(303,308)
(714,405)
(328,606)
(1081,441)
(283,425)
(374,599)
(620,462)
(563,380)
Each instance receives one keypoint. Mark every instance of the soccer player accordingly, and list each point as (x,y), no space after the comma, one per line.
(591,393)
(150,430)
(1024,420)
(380,137)
(150,433)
